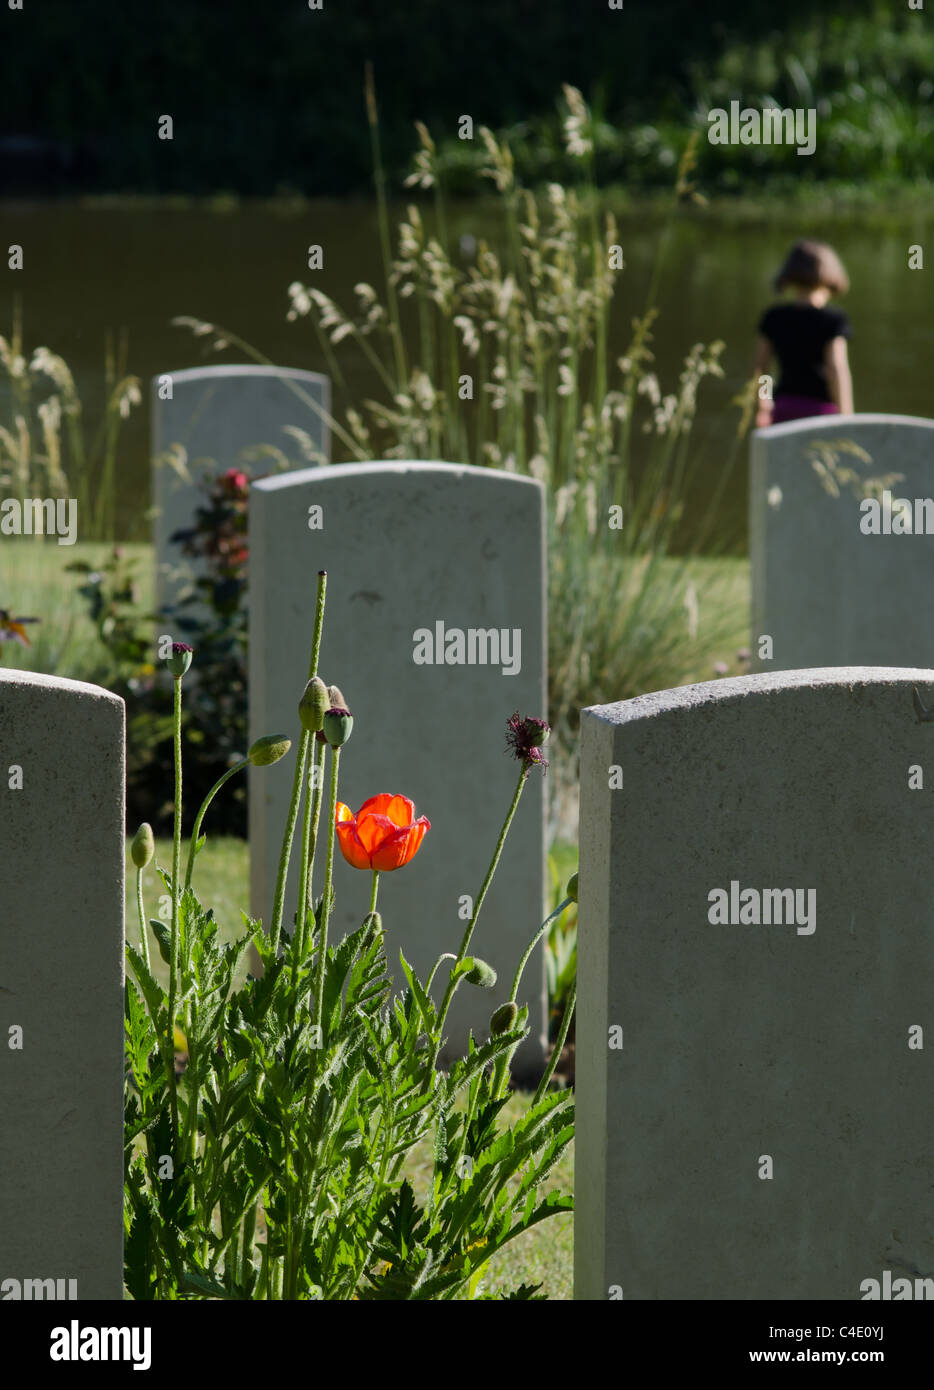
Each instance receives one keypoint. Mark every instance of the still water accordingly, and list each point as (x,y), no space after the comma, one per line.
(131,268)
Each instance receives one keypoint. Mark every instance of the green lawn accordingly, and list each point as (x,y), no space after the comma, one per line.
(34,582)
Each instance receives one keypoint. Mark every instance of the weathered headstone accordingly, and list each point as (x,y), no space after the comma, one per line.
(215,414)
(836,579)
(415,553)
(753,1101)
(62,847)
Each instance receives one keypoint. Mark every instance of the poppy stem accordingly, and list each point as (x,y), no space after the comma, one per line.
(286,852)
(446,955)
(303,874)
(552,916)
(319,624)
(502,1063)
(143,934)
(375,890)
(327,892)
(452,984)
(558,1047)
(224,777)
(300,764)
(296,1232)
(310,841)
(176,868)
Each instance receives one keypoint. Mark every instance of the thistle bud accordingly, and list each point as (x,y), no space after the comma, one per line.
(338,724)
(143,846)
(180,660)
(313,705)
(481,974)
(571,890)
(269,749)
(504,1018)
(335,698)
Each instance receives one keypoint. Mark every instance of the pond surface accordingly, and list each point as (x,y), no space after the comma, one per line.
(132,267)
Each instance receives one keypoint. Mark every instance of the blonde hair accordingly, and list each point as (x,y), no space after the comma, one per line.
(813,265)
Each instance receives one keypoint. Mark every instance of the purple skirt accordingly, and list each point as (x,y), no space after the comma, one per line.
(785,408)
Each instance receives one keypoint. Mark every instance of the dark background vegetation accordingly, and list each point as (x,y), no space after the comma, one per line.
(267,95)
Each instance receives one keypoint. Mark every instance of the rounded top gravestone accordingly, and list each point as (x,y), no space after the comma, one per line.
(61,988)
(841,541)
(220,416)
(754,962)
(435,633)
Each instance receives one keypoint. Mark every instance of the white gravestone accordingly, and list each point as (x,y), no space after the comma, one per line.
(415,553)
(837,579)
(62,847)
(755,1058)
(215,414)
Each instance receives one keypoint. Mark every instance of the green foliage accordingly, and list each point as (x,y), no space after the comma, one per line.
(46,449)
(215,719)
(239,73)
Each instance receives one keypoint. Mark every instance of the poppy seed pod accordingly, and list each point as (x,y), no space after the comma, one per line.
(504,1018)
(143,846)
(313,705)
(481,974)
(269,749)
(180,660)
(338,724)
(536,731)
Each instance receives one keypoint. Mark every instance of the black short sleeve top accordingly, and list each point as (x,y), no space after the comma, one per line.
(799,333)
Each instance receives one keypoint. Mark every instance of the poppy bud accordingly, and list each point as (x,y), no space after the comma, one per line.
(143,846)
(314,705)
(374,924)
(269,749)
(504,1018)
(335,698)
(571,890)
(180,660)
(481,974)
(338,723)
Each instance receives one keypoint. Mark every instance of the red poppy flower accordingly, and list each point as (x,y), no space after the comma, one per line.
(384,833)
